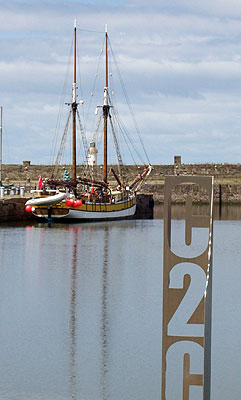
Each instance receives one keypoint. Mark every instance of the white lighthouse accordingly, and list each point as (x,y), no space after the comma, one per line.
(92,154)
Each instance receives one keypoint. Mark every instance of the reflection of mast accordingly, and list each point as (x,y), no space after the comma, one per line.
(72,321)
(104,327)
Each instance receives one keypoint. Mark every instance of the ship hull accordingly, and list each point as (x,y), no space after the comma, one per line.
(88,211)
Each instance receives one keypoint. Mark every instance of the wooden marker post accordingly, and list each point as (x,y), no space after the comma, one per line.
(187,300)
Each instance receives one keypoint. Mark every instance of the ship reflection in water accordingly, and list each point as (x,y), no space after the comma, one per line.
(104,320)
(72,323)
(80,310)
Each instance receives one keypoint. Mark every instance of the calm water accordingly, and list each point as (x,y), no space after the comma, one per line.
(81,311)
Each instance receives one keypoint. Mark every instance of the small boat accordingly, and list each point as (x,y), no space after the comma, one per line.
(86,198)
(47,200)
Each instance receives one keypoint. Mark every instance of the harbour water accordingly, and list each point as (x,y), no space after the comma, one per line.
(81,310)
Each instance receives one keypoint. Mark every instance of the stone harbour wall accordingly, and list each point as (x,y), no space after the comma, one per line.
(13,209)
(227,193)
(227,178)
(28,172)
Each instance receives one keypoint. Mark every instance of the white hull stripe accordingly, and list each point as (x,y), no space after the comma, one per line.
(95,215)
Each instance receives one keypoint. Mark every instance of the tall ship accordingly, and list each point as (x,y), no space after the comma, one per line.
(76,198)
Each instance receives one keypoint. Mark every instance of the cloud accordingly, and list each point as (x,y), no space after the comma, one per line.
(180,64)
(216,8)
(219,8)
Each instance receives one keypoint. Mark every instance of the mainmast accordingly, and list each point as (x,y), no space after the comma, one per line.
(74,109)
(106,106)
(1,129)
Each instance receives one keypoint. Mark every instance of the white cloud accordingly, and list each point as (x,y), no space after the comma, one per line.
(220,8)
(181,65)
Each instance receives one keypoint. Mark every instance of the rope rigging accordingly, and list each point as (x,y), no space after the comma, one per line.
(128,102)
(118,129)
(84,140)
(80,84)
(62,146)
(127,138)
(120,162)
(61,105)
(94,85)
(95,135)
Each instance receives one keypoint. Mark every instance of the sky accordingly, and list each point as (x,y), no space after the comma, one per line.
(180,62)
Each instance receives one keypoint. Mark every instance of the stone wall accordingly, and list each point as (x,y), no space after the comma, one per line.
(13,209)
(27,175)
(144,206)
(16,172)
(227,193)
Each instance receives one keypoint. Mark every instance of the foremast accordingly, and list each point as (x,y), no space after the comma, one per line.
(1,129)
(106,107)
(74,106)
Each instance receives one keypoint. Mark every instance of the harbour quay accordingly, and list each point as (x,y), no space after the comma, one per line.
(227,178)
(20,179)
(13,209)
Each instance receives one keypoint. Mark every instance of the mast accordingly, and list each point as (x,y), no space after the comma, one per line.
(1,129)
(106,106)
(74,109)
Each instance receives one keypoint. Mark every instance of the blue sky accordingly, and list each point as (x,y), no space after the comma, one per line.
(180,61)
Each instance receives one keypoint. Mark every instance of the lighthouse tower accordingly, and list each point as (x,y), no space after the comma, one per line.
(92,154)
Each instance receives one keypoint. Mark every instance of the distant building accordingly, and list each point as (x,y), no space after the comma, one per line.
(177,164)
(92,154)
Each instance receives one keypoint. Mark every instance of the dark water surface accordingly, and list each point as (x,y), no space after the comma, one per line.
(81,311)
